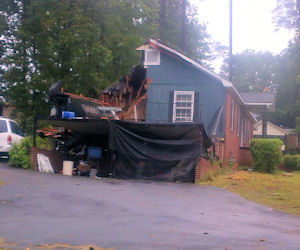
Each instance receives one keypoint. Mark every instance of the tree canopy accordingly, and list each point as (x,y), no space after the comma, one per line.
(253,71)
(87,44)
(262,71)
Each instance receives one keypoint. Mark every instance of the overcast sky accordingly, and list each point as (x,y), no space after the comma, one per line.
(252,24)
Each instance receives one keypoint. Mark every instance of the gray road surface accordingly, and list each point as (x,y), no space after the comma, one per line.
(38,208)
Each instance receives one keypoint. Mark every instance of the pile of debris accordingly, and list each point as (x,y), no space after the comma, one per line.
(129,94)
(125,100)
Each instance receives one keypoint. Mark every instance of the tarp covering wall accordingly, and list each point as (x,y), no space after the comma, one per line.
(157,151)
(148,151)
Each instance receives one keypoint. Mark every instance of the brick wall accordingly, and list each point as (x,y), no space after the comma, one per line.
(242,130)
(219,150)
(292,140)
(202,168)
(56,158)
(7,110)
(245,157)
(232,140)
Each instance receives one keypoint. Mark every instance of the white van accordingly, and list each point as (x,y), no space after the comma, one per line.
(10,132)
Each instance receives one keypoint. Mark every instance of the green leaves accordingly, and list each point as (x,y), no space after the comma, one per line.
(253,71)
(292,162)
(266,154)
(86,44)
(19,155)
(287,14)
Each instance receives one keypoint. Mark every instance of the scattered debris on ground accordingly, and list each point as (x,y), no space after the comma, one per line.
(279,191)
(67,246)
(10,245)
(240,176)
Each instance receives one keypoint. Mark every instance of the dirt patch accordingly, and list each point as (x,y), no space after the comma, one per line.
(6,245)
(279,191)
(67,246)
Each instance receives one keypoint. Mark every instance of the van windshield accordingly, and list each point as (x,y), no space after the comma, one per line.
(3,126)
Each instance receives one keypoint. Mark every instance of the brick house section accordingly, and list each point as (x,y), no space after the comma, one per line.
(202,168)
(219,150)
(232,140)
(56,158)
(7,110)
(245,157)
(292,140)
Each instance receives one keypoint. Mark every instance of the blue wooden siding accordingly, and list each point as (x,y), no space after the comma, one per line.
(174,75)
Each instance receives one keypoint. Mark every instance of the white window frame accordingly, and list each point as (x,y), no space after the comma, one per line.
(176,93)
(239,121)
(157,62)
(244,137)
(232,115)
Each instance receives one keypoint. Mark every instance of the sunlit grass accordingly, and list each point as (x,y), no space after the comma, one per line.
(279,191)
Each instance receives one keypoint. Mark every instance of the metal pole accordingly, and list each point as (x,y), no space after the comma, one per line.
(183,24)
(264,124)
(230,41)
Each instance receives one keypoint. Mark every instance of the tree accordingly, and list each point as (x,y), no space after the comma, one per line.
(288,79)
(287,15)
(196,38)
(252,71)
(45,42)
(86,44)
(21,79)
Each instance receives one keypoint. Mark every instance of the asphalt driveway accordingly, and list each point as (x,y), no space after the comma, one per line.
(38,208)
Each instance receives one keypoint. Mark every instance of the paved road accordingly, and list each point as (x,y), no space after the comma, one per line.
(38,208)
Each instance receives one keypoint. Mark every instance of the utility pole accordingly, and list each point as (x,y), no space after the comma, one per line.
(230,41)
(183,25)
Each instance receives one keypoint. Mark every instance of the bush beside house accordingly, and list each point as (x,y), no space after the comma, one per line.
(292,162)
(266,154)
(19,155)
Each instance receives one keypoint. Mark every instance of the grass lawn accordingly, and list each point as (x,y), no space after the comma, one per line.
(279,191)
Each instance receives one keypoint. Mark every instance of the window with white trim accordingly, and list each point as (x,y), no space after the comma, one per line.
(152,57)
(232,115)
(183,106)
(239,121)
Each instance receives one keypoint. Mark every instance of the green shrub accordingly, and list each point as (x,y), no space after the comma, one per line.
(266,154)
(292,162)
(290,151)
(19,155)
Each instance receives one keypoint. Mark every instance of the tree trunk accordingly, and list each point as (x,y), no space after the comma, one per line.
(162,17)
(34,129)
(230,40)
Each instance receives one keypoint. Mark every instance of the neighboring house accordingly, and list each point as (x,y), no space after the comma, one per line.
(273,131)
(288,136)
(6,109)
(183,91)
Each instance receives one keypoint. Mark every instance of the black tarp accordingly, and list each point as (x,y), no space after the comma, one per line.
(148,151)
(157,151)
(84,126)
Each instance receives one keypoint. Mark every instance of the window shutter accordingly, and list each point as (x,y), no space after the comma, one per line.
(196,117)
(171,104)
